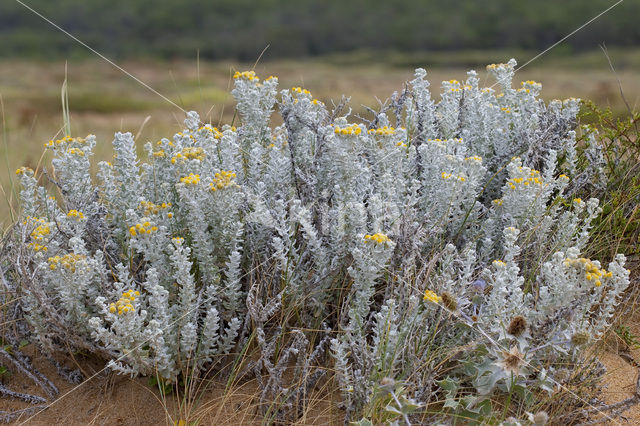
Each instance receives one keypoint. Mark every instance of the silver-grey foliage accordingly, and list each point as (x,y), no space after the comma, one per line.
(437,241)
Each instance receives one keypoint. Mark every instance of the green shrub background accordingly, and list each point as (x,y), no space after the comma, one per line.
(240,29)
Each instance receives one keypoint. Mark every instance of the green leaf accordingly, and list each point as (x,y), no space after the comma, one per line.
(362,422)
(392,409)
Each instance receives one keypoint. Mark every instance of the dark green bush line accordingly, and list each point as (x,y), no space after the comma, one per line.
(241,28)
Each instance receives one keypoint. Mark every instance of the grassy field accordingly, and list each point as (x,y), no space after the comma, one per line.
(104,100)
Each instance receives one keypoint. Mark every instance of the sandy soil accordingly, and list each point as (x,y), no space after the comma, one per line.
(109,399)
(623,367)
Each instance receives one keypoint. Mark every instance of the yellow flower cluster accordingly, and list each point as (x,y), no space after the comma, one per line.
(196,153)
(183,135)
(67,262)
(591,270)
(499,263)
(457,140)
(159,153)
(249,75)
(455,86)
(214,130)
(76,214)
(474,158)
(142,229)
(222,180)
(578,201)
(124,305)
(191,179)
(170,143)
(76,151)
(377,238)
(300,90)
(528,85)
(497,202)
(39,233)
(506,110)
(353,129)
(497,66)
(431,296)
(533,179)
(382,131)
(447,176)
(178,240)
(65,140)
(150,208)
(24,170)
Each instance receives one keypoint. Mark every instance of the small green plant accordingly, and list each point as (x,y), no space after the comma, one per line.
(630,339)
(164,386)
(389,405)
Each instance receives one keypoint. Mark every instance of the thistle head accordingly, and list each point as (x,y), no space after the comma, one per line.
(449,301)
(517,326)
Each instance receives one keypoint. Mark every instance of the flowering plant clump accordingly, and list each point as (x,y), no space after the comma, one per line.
(432,228)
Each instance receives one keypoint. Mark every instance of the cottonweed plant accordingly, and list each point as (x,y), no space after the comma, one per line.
(434,245)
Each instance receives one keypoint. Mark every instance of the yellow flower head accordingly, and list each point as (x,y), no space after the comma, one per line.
(192,179)
(76,214)
(24,170)
(377,238)
(351,130)
(248,75)
(222,179)
(431,296)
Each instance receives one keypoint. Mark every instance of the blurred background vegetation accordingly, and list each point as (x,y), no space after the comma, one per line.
(188,50)
(240,29)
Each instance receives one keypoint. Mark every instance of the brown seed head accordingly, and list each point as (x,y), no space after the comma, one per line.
(512,361)
(540,418)
(517,326)
(449,301)
(387,383)
(580,338)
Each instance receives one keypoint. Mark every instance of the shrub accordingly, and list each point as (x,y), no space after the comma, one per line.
(434,247)
(617,227)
